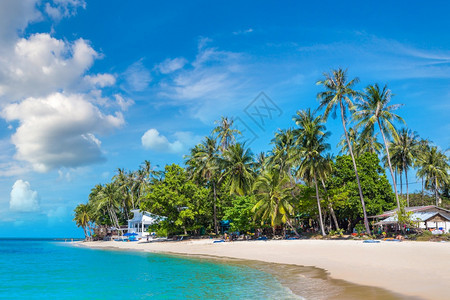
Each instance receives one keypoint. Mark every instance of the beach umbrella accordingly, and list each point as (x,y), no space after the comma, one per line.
(130,234)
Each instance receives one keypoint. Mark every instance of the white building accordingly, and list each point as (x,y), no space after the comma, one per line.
(426,217)
(141,221)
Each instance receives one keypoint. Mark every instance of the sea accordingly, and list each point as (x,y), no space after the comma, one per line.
(50,269)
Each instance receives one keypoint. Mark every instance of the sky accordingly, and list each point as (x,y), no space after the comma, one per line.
(87,87)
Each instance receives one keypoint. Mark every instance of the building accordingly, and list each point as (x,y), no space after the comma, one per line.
(141,221)
(426,217)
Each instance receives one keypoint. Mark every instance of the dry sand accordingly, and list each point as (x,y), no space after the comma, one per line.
(420,269)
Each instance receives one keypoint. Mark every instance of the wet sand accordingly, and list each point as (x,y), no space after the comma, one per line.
(317,269)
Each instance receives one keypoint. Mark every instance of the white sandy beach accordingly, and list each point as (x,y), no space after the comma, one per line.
(420,269)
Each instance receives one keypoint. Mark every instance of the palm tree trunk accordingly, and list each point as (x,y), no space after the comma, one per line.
(318,205)
(366,221)
(330,206)
(292,227)
(436,191)
(390,165)
(401,183)
(407,194)
(423,185)
(214,208)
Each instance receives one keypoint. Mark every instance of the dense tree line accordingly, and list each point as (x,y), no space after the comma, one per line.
(295,186)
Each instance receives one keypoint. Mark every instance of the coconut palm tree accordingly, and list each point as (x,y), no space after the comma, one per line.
(404,149)
(311,141)
(338,94)
(374,108)
(283,154)
(261,162)
(83,217)
(106,198)
(204,163)
(225,132)
(272,190)
(238,166)
(423,147)
(434,166)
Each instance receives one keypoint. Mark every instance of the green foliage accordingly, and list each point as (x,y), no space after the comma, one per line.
(178,199)
(239,213)
(343,188)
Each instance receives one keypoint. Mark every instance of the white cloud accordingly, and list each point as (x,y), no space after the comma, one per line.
(122,102)
(59,131)
(41,64)
(63,8)
(171,65)
(153,140)
(15,16)
(137,77)
(100,80)
(23,198)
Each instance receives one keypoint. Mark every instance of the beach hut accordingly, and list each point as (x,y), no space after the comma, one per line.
(426,217)
(141,221)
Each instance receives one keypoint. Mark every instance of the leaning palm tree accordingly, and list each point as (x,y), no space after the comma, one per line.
(273,193)
(225,132)
(204,163)
(374,108)
(311,141)
(338,93)
(83,217)
(434,166)
(238,165)
(106,198)
(405,150)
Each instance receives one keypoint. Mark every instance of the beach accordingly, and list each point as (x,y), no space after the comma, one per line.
(413,269)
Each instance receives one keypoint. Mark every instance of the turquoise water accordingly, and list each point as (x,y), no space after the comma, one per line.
(37,269)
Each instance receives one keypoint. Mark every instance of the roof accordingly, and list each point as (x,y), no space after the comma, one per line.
(411,209)
(417,216)
(145,217)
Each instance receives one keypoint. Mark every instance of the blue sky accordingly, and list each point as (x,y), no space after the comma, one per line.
(87,87)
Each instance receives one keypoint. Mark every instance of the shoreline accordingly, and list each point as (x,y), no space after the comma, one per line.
(408,269)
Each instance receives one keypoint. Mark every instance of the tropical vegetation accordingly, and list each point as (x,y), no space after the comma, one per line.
(296,187)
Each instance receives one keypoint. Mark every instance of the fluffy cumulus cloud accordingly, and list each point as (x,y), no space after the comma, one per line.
(182,140)
(153,140)
(59,130)
(47,93)
(23,198)
(41,64)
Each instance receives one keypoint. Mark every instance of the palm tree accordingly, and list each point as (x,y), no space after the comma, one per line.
(338,93)
(225,132)
(204,163)
(405,149)
(106,198)
(311,141)
(260,163)
(353,137)
(238,165)
(423,147)
(434,166)
(83,217)
(283,154)
(374,108)
(273,193)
